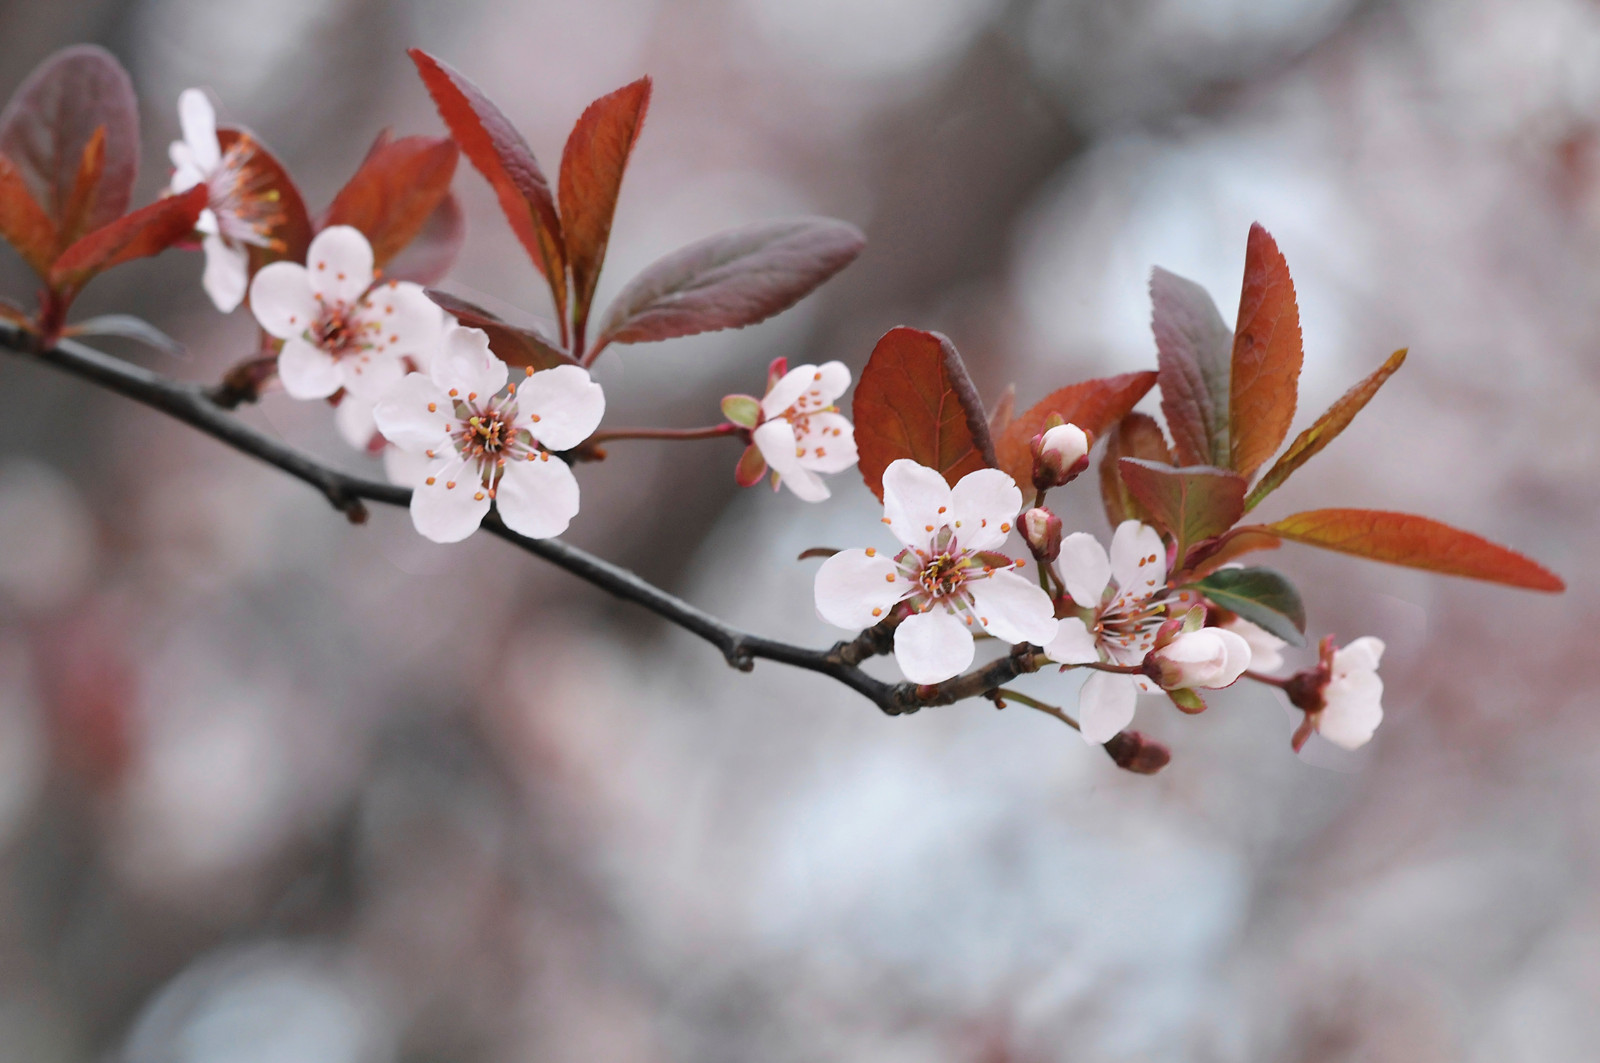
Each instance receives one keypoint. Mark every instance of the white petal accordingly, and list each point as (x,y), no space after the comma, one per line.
(339,261)
(1012,608)
(1354,710)
(1073,644)
(467,366)
(1105,706)
(1266,649)
(537,498)
(227,273)
(353,418)
(834,381)
(405,468)
(829,442)
(1138,559)
(198,120)
(568,406)
(1361,655)
(207,222)
(916,501)
(806,485)
(308,372)
(932,647)
(370,374)
(281,299)
(787,390)
(405,322)
(986,503)
(414,414)
(186,173)
(1239,659)
(1084,568)
(776,441)
(446,513)
(856,589)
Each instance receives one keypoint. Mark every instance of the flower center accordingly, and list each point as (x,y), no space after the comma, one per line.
(943,575)
(242,196)
(487,436)
(340,332)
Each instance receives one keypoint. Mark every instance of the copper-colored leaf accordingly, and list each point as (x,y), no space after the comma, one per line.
(1244,539)
(1136,436)
(147,231)
(434,250)
(85,189)
(1193,352)
(1327,428)
(915,400)
(498,152)
(513,344)
(1416,542)
(1191,504)
(1266,357)
(729,280)
(591,176)
(274,196)
(23,223)
(394,192)
(1092,405)
(51,120)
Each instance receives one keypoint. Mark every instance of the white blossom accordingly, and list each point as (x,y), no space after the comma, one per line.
(802,433)
(1266,649)
(1352,700)
(1209,658)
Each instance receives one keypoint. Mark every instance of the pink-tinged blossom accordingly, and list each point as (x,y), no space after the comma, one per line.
(1121,598)
(949,574)
(339,330)
(1210,658)
(1343,696)
(802,434)
(488,441)
(1059,455)
(241,213)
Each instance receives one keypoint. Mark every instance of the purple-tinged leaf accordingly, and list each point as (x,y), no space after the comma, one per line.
(1136,436)
(429,257)
(1193,352)
(1191,504)
(514,345)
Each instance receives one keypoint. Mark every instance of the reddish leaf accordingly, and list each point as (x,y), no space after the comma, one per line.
(23,223)
(1266,357)
(267,183)
(498,151)
(1004,412)
(51,120)
(513,344)
(85,189)
(1136,436)
(147,231)
(915,400)
(394,192)
(591,176)
(1191,504)
(1193,348)
(1245,539)
(1417,542)
(429,257)
(729,280)
(1093,405)
(1327,428)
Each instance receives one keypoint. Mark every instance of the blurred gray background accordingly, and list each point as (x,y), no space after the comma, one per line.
(273,788)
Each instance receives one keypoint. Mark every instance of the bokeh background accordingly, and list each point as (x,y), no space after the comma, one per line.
(274,788)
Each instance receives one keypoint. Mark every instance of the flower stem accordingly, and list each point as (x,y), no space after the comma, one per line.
(1270,680)
(1003,694)
(607,436)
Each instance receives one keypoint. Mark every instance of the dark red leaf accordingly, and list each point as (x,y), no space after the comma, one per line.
(1266,357)
(85,189)
(915,400)
(52,118)
(147,231)
(591,176)
(498,151)
(1092,405)
(429,257)
(1417,542)
(513,344)
(1244,539)
(274,195)
(729,280)
(394,192)
(1191,504)
(1004,412)
(1193,351)
(1136,436)
(23,223)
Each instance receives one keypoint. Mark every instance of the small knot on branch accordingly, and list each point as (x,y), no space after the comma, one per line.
(244,382)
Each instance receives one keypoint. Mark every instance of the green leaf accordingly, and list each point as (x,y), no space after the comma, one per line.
(1261,596)
(1191,504)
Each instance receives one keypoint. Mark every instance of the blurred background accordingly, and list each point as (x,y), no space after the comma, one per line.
(275,788)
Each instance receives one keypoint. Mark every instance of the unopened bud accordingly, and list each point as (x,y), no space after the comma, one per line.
(1134,752)
(1209,658)
(1059,455)
(1042,531)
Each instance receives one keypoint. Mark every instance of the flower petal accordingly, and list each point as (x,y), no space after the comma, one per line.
(1361,655)
(564,404)
(1266,649)
(1012,608)
(932,647)
(198,120)
(449,503)
(775,440)
(856,588)
(1138,559)
(186,173)
(831,381)
(806,485)
(370,374)
(227,273)
(308,372)
(1105,706)
(787,391)
(1073,644)
(1353,712)
(986,503)
(916,501)
(467,366)
(537,498)
(404,322)
(281,299)
(353,418)
(414,414)
(339,261)
(1084,569)
(829,442)
(405,468)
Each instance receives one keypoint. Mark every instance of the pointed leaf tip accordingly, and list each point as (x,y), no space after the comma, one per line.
(1267,355)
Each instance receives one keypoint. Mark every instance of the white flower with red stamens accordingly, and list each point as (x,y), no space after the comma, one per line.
(801,433)
(1122,600)
(1342,697)
(488,441)
(955,584)
(338,329)
(242,211)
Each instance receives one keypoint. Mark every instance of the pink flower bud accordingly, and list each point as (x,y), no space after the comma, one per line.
(1210,658)
(1059,455)
(1042,531)
(1133,752)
